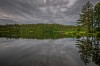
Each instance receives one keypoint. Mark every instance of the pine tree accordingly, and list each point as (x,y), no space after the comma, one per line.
(97,16)
(86,17)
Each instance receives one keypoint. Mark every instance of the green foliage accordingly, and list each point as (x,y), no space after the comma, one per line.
(90,17)
(86,17)
(39,31)
(97,16)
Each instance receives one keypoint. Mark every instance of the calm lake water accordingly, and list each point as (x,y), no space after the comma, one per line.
(46,52)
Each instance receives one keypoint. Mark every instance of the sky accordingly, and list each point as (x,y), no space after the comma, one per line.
(41,11)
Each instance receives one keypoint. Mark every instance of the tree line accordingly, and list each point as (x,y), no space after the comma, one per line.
(35,31)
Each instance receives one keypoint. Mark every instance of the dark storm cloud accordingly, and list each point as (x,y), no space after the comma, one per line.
(40,11)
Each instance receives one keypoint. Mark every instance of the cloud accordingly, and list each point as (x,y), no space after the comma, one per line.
(41,11)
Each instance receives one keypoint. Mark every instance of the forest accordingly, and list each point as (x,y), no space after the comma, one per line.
(40,31)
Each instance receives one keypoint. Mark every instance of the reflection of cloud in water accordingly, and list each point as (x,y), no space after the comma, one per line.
(25,52)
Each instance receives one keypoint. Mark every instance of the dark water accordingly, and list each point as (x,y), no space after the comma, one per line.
(46,52)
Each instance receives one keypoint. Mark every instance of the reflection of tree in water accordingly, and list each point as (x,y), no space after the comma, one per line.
(89,50)
(96,52)
(85,51)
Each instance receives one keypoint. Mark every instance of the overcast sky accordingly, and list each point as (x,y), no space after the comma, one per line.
(41,11)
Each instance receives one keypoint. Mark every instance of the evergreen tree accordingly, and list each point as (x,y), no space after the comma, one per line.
(86,17)
(97,16)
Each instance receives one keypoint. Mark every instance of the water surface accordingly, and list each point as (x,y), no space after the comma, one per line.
(34,52)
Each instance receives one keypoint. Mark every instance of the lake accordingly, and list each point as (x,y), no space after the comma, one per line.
(42,52)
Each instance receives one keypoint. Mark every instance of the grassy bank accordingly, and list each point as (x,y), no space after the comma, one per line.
(81,33)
